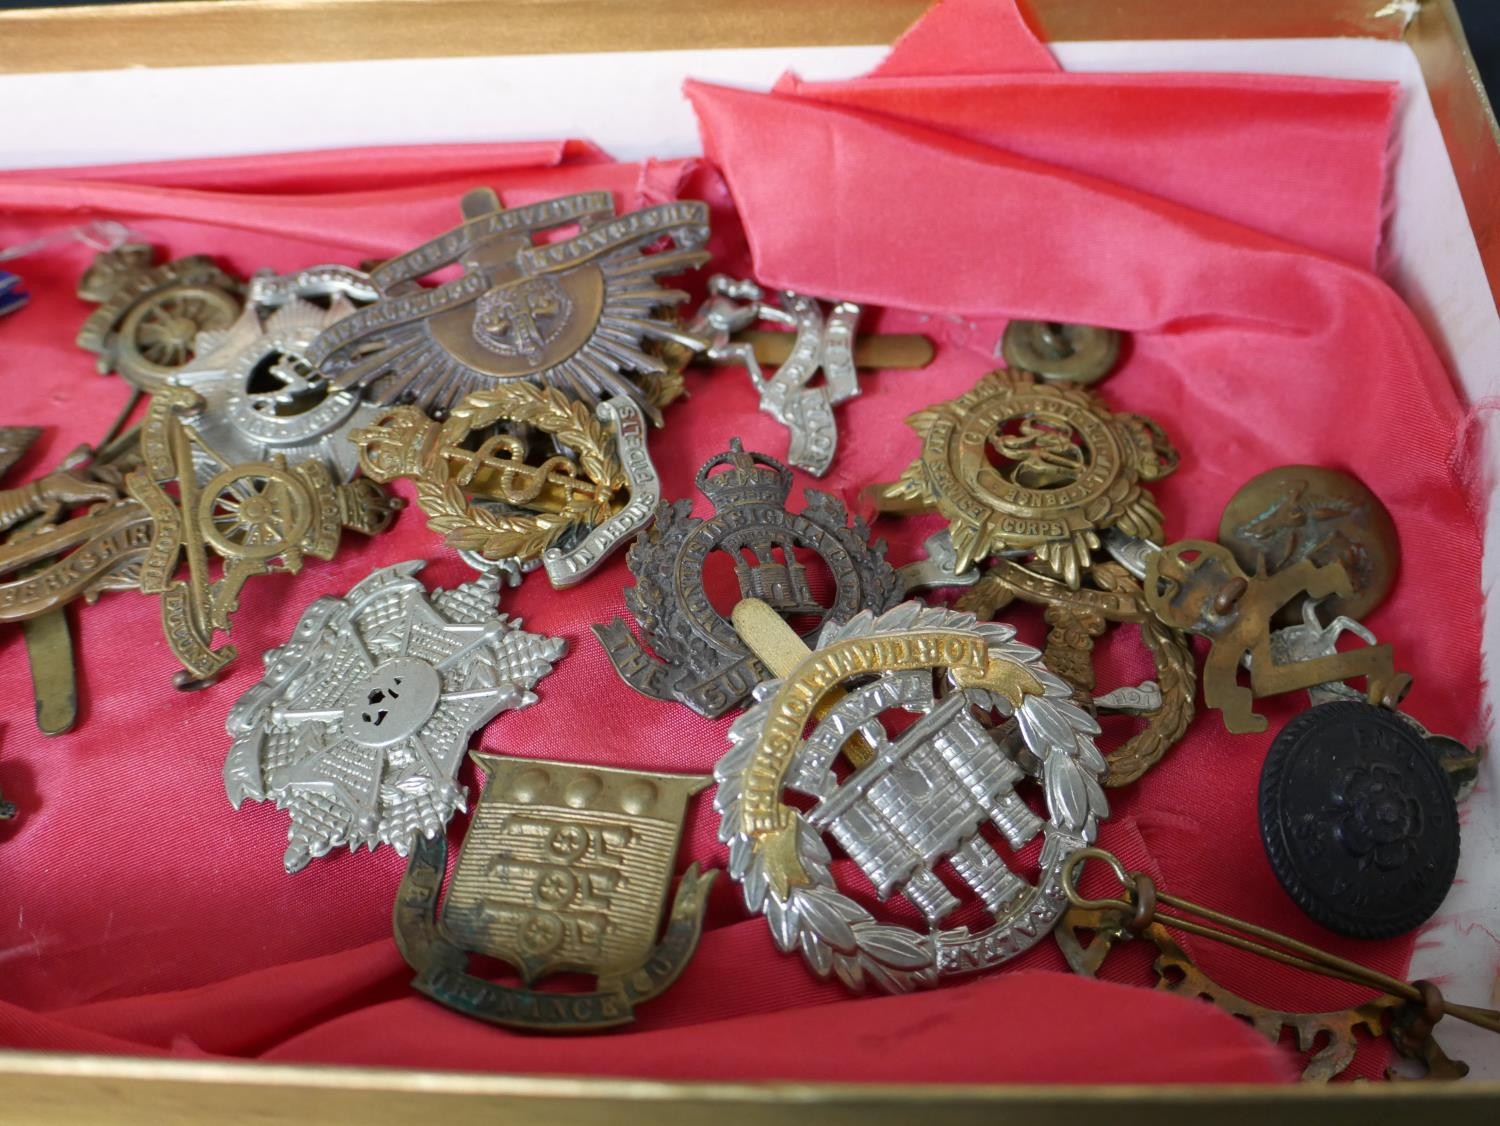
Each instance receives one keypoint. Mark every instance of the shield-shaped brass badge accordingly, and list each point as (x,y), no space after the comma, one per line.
(565,868)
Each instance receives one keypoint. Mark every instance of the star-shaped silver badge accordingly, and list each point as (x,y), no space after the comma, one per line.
(362,719)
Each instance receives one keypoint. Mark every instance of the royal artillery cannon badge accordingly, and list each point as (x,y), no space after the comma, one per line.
(148,320)
(255,517)
(493,496)
(928,793)
(565,868)
(699,659)
(1044,468)
(584,314)
(361,721)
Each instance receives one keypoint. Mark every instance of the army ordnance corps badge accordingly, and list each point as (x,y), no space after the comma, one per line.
(565,868)
(929,792)
(700,660)
(582,314)
(1040,468)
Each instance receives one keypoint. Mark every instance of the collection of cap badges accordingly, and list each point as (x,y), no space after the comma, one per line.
(518,398)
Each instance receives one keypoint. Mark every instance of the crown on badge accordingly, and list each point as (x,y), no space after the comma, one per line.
(754,478)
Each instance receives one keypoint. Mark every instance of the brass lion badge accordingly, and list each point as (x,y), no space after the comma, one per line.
(584,314)
(1020,466)
(565,869)
(522,475)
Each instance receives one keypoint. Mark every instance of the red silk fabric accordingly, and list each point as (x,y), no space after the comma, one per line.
(1259,338)
(144,915)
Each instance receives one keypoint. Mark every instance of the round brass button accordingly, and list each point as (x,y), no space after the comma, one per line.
(1297,512)
(1060,352)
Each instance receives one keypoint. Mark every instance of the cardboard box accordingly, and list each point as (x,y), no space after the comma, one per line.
(1445,243)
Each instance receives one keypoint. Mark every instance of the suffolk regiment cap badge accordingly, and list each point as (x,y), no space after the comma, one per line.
(584,314)
(920,796)
(564,869)
(1041,469)
(699,659)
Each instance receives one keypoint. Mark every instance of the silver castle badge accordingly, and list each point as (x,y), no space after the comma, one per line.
(916,798)
(362,719)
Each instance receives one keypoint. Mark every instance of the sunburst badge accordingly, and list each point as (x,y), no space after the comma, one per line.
(1038,469)
(584,314)
(362,719)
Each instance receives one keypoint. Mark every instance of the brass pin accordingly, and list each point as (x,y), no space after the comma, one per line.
(781,650)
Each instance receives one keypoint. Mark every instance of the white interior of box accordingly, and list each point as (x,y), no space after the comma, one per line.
(1431,256)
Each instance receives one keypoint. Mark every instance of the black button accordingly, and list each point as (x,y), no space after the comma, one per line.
(1358,820)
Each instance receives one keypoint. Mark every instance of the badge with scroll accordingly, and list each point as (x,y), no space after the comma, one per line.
(565,869)
(585,315)
(522,475)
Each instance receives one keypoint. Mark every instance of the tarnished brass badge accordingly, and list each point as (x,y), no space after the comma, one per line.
(565,868)
(1407,1011)
(255,517)
(149,317)
(1333,1037)
(1065,353)
(1299,512)
(49,560)
(488,491)
(1044,468)
(583,314)
(1197,586)
(699,658)
(1075,619)
(70,534)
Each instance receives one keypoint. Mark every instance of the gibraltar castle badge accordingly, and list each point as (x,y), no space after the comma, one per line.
(700,659)
(1015,465)
(361,721)
(522,475)
(582,314)
(565,868)
(921,798)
